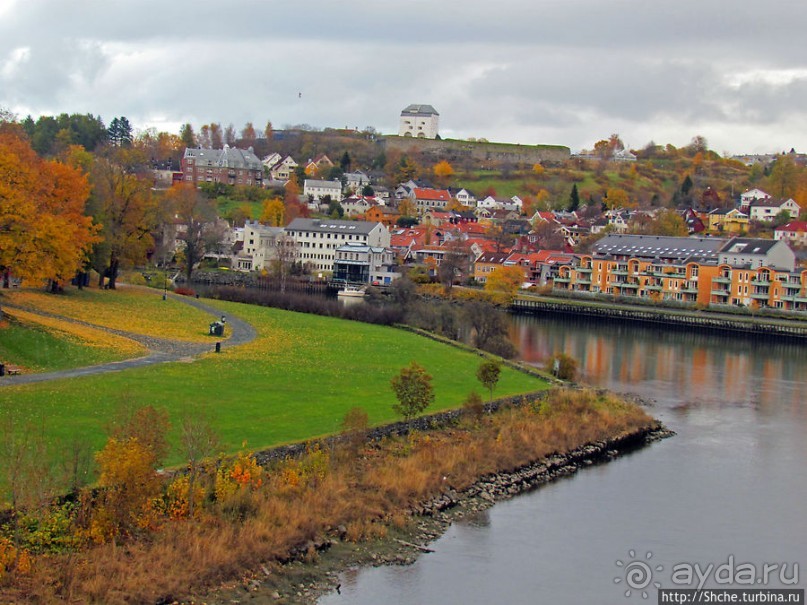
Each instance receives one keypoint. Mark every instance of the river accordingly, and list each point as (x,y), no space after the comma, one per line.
(731,487)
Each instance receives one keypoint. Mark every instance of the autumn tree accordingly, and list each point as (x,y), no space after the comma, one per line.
(273,212)
(667,222)
(489,329)
(617,198)
(783,179)
(504,282)
(248,134)
(443,171)
(195,217)
(454,264)
(500,236)
(488,374)
(122,203)
(229,135)
(127,464)
(44,232)
(239,215)
(268,131)
(292,193)
(414,391)
(407,208)
(548,235)
(404,170)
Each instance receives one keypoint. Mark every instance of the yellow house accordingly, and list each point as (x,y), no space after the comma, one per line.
(725,221)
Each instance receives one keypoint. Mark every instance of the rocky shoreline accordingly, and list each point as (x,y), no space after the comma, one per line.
(314,568)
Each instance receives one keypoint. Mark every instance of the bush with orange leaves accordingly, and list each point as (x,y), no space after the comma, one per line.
(131,487)
(13,559)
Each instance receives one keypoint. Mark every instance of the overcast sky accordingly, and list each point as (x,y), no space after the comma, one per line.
(566,72)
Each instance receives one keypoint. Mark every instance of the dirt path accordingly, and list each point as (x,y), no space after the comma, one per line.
(161,350)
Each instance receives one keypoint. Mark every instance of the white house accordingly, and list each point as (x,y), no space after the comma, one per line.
(357,205)
(420,121)
(794,232)
(356,181)
(319,189)
(464,197)
(259,246)
(752,195)
(318,239)
(768,209)
(361,264)
(755,253)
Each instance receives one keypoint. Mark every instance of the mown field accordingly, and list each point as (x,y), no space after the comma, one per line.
(295,381)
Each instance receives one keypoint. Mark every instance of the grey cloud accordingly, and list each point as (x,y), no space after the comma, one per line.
(503,69)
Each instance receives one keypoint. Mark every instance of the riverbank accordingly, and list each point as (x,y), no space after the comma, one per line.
(355,493)
(316,569)
(670,317)
(306,578)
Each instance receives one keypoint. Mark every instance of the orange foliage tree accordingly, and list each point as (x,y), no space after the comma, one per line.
(44,233)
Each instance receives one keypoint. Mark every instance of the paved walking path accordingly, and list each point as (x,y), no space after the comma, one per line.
(161,350)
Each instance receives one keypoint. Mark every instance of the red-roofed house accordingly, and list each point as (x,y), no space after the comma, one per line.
(795,232)
(436,218)
(540,267)
(429,199)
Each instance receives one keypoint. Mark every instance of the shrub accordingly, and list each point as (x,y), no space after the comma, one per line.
(562,366)
(473,406)
(184,291)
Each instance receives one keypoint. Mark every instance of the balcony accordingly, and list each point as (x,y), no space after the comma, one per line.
(760,295)
(725,293)
(654,287)
(621,271)
(583,269)
(723,279)
(760,281)
(562,280)
(584,282)
(628,285)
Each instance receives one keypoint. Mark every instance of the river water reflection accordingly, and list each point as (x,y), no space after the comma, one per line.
(733,482)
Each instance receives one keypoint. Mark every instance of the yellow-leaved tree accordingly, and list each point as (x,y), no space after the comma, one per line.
(44,232)
(443,171)
(504,282)
(273,213)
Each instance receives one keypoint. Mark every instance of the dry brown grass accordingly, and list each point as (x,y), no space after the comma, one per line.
(363,493)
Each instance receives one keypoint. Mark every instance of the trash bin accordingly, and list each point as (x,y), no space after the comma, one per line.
(2,370)
(216,329)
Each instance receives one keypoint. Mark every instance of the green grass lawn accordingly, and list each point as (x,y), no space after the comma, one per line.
(295,381)
(40,350)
